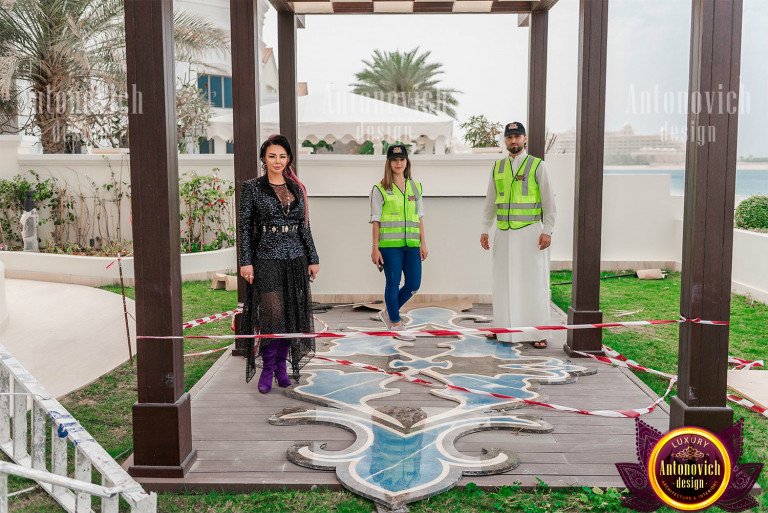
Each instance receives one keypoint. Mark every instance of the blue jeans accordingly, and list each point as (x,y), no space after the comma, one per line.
(399,261)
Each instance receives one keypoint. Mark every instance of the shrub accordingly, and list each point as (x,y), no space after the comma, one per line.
(207,212)
(13,191)
(481,133)
(752,213)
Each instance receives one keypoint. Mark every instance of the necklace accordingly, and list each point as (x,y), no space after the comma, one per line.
(285,207)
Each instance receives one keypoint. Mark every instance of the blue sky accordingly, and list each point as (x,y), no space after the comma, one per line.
(486,57)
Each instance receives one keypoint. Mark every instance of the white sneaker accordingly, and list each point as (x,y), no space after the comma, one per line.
(385,318)
(404,337)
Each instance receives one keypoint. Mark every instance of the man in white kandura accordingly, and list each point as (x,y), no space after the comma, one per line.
(520,201)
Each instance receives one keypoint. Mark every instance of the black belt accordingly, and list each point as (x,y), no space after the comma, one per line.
(278,228)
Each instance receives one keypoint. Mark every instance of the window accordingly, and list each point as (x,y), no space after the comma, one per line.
(217,89)
(207,146)
(227,92)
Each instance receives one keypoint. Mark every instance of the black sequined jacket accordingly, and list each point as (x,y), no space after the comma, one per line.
(259,206)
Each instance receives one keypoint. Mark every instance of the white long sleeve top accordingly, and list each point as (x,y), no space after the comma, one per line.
(549,210)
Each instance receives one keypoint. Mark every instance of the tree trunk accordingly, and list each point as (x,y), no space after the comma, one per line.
(9,113)
(51,116)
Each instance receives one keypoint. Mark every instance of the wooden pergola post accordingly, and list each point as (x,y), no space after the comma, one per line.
(588,201)
(710,180)
(162,433)
(245,112)
(286,48)
(537,82)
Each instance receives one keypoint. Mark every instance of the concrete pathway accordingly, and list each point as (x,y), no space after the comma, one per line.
(67,336)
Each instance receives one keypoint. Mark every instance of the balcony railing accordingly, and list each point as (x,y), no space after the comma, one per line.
(51,434)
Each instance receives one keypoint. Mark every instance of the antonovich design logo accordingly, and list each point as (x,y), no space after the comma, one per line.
(689,469)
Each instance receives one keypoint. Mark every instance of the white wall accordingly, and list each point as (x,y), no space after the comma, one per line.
(456,265)
(93,271)
(750,264)
(3,304)
(642,223)
(638,229)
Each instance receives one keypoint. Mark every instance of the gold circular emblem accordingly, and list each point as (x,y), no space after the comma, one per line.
(681,460)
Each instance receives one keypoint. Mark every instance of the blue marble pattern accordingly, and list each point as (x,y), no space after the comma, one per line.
(394,461)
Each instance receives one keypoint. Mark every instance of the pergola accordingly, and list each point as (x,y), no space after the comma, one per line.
(162,418)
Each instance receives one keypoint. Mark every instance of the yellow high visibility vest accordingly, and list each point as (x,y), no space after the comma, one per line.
(399,224)
(518,198)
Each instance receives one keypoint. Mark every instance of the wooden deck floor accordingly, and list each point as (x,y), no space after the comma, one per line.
(239,451)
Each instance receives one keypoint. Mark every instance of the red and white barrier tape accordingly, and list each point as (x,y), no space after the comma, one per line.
(598,413)
(614,358)
(216,317)
(113,262)
(622,361)
(238,310)
(209,351)
(619,360)
(748,404)
(445,332)
(744,364)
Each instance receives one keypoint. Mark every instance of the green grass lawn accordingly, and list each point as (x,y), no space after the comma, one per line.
(104,407)
(656,347)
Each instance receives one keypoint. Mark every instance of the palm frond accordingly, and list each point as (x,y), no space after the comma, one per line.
(194,36)
(406,78)
(61,47)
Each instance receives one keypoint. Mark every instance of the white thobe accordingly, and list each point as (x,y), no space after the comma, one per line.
(520,269)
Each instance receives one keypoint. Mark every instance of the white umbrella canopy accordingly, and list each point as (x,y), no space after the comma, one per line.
(342,116)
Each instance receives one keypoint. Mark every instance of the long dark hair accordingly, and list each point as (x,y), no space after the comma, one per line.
(289,172)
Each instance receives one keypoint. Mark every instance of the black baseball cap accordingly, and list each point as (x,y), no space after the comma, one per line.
(397,151)
(514,128)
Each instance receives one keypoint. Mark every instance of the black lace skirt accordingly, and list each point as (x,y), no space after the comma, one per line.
(279,301)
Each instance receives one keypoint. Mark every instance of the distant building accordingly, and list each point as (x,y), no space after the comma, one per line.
(215,77)
(624,146)
(218,64)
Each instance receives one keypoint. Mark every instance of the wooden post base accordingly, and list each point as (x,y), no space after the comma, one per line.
(713,418)
(162,439)
(586,341)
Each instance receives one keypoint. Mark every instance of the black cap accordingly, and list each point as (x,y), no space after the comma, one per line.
(397,151)
(514,128)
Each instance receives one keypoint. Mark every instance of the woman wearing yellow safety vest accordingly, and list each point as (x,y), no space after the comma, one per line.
(399,243)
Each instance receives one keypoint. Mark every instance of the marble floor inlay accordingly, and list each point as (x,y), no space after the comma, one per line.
(405,434)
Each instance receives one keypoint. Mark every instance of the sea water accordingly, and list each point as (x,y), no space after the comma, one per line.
(748,181)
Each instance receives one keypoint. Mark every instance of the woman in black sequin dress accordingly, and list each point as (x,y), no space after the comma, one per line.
(278,260)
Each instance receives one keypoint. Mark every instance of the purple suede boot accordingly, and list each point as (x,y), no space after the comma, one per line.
(281,364)
(268,369)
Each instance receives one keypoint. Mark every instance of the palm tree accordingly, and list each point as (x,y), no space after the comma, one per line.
(64,50)
(406,79)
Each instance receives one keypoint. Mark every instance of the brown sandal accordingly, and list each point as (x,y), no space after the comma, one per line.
(540,344)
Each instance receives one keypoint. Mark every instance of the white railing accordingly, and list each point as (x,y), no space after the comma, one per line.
(50,425)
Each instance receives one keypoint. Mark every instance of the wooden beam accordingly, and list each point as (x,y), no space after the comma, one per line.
(286,48)
(281,5)
(710,179)
(544,5)
(511,7)
(523,20)
(537,83)
(588,202)
(245,115)
(162,434)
